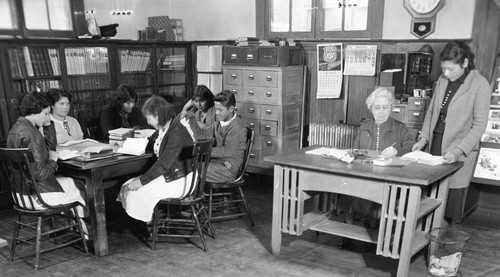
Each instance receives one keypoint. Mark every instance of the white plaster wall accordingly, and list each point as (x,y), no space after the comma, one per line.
(229,19)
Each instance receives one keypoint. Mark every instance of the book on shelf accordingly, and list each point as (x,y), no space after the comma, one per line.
(134,146)
(422,157)
(28,62)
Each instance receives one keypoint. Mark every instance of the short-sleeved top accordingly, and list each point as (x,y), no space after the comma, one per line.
(62,133)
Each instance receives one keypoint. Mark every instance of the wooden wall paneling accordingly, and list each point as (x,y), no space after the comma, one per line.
(359,89)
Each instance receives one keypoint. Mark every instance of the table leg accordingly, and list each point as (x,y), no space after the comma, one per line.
(97,211)
(277,210)
(409,230)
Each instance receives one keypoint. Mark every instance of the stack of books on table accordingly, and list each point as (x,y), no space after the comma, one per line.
(248,41)
(118,136)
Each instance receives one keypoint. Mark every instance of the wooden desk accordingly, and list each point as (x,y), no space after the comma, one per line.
(413,200)
(94,173)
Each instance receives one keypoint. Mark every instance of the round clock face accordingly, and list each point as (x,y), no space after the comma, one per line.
(423,6)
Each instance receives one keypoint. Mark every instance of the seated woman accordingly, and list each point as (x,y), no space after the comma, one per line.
(121,112)
(67,127)
(202,106)
(35,113)
(384,134)
(171,174)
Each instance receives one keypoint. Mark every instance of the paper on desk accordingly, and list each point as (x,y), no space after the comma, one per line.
(134,146)
(337,153)
(144,133)
(73,142)
(66,154)
(95,149)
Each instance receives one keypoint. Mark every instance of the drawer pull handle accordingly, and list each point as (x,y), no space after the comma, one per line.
(252,155)
(269,78)
(234,76)
(267,57)
(249,56)
(251,110)
(267,127)
(418,103)
(269,112)
(234,56)
(252,125)
(269,94)
(251,92)
(269,143)
(234,91)
(416,114)
(396,110)
(251,77)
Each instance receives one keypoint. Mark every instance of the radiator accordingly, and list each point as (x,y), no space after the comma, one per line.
(336,135)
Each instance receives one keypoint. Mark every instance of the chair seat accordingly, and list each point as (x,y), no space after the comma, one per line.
(47,212)
(225,185)
(190,200)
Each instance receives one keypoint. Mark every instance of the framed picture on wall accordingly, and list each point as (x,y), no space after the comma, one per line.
(488,164)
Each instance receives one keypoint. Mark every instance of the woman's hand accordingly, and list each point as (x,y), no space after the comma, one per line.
(419,145)
(53,155)
(389,151)
(135,184)
(453,156)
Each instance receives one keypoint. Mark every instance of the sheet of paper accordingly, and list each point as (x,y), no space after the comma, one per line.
(360,60)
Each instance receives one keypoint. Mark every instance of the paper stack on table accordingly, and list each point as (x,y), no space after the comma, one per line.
(423,158)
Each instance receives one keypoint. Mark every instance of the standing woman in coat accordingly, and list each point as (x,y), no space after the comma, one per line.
(456,119)
(171,174)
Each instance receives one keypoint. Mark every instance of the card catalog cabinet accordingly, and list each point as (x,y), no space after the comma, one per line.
(411,113)
(269,100)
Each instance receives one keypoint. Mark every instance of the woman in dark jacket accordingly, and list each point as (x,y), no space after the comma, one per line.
(171,174)
(121,112)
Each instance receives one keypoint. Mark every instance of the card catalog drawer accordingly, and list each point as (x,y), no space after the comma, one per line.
(415,116)
(269,128)
(254,157)
(237,91)
(251,94)
(269,95)
(274,56)
(254,124)
(269,79)
(233,77)
(269,112)
(251,78)
(251,110)
(270,145)
(241,55)
(416,104)
(398,113)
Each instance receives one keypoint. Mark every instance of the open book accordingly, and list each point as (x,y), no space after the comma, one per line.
(423,158)
(134,146)
(340,154)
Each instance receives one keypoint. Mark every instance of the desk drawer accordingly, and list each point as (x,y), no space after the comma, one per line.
(415,116)
(251,94)
(233,77)
(398,113)
(269,112)
(254,124)
(251,110)
(241,55)
(416,104)
(269,128)
(251,78)
(237,91)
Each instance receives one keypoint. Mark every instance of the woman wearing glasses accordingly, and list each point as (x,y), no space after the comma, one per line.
(121,112)
(67,127)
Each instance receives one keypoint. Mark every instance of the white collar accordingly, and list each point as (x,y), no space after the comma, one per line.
(225,123)
(57,120)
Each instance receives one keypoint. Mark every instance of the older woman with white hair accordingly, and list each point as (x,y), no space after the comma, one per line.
(383,133)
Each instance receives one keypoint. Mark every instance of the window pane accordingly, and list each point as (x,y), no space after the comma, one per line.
(60,15)
(280,15)
(6,11)
(301,15)
(35,15)
(356,15)
(332,19)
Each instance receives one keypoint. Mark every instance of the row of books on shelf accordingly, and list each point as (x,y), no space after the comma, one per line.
(137,79)
(135,60)
(87,60)
(34,61)
(166,61)
(209,58)
(22,87)
(88,82)
(169,77)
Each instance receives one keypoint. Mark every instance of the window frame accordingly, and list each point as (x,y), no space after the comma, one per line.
(374,23)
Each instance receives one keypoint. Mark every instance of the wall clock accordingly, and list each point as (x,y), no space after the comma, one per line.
(423,13)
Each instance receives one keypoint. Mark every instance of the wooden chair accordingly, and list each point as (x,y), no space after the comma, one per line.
(15,166)
(195,222)
(226,200)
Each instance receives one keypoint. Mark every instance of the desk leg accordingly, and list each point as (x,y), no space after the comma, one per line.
(97,210)
(409,230)
(277,210)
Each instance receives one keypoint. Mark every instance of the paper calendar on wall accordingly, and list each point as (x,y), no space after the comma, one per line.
(329,70)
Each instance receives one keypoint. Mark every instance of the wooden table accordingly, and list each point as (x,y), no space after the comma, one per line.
(94,173)
(413,200)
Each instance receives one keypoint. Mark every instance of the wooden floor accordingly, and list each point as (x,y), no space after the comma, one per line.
(241,250)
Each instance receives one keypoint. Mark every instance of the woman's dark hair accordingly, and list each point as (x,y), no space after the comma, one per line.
(157,106)
(123,94)
(204,94)
(457,52)
(55,94)
(226,98)
(33,103)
